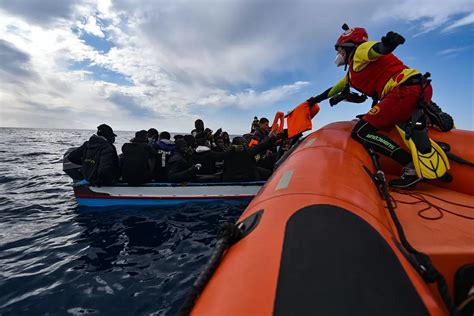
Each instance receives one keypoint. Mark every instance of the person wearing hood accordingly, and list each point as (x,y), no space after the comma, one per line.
(138,160)
(152,136)
(98,157)
(164,150)
(165,143)
(206,157)
(198,131)
(226,138)
(180,166)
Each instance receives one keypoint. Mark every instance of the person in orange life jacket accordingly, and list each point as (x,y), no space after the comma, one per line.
(180,166)
(98,157)
(138,160)
(376,72)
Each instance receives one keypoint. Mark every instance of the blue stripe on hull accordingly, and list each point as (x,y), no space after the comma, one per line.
(143,202)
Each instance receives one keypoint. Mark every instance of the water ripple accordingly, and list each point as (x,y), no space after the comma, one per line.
(57,259)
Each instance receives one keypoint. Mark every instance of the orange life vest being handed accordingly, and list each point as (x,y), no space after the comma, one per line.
(371,80)
(299,119)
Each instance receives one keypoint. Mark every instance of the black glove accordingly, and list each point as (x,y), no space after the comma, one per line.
(356,98)
(323,96)
(218,132)
(337,98)
(392,40)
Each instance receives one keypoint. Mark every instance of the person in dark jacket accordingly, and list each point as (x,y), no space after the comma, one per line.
(206,157)
(190,140)
(98,157)
(180,166)
(138,160)
(153,136)
(240,163)
(165,143)
(263,129)
(226,138)
(198,131)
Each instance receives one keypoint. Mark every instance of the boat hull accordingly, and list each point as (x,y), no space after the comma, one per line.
(163,194)
(325,243)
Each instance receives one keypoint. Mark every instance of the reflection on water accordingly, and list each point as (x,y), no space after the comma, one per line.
(58,259)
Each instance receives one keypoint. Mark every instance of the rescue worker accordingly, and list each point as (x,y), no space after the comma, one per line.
(376,72)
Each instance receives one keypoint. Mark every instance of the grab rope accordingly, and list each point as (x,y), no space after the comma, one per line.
(430,206)
(228,235)
(420,261)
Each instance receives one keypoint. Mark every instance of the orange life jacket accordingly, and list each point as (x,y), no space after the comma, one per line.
(299,119)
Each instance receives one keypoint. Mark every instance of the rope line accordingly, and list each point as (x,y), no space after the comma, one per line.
(420,198)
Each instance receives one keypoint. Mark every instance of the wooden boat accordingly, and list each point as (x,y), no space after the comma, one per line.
(320,239)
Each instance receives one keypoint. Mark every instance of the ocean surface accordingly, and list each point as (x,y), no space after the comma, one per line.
(59,259)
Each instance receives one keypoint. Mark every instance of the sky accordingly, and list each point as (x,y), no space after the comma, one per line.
(136,64)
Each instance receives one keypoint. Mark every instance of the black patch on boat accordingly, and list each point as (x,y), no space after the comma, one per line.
(335,263)
(250,223)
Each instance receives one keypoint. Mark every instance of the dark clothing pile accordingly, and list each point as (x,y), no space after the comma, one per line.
(99,160)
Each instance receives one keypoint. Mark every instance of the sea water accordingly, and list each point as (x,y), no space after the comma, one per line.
(59,259)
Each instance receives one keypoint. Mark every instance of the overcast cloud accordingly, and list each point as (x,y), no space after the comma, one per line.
(176,56)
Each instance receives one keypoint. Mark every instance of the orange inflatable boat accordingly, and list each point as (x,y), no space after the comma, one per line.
(320,238)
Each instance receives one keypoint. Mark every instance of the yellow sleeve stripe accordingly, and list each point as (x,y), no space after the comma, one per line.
(338,87)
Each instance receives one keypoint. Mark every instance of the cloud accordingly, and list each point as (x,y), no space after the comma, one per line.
(171,60)
(15,63)
(467,20)
(451,51)
(431,14)
(43,12)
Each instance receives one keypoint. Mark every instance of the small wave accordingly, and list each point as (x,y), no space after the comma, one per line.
(6,179)
(34,154)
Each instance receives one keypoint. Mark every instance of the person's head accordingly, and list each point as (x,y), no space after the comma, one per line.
(199,125)
(225,137)
(202,142)
(106,131)
(140,137)
(165,135)
(181,146)
(190,140)
(263,123)
(179,136)
(348,42)
(207,133)
(219,140)
(152,135)
(239,140)
(255,124)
